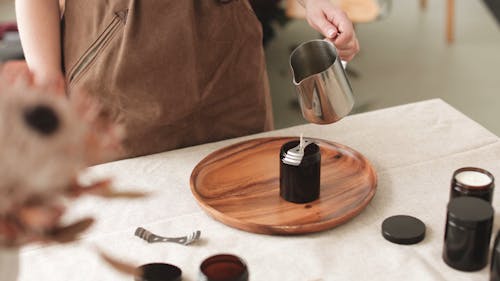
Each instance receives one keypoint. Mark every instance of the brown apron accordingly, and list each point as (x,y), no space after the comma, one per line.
(175,72)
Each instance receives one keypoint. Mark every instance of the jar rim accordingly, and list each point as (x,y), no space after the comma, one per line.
(312,153)
(456,182)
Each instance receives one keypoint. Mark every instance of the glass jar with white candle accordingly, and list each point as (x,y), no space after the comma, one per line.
(471,181)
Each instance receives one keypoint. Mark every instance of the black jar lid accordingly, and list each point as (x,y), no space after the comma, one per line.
(469,211)
(159,272)
(402,229)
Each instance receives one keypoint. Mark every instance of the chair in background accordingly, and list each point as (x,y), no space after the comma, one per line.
(450,19)
(358,11)
(385,7)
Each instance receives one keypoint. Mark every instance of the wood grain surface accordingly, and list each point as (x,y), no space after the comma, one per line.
(239,186)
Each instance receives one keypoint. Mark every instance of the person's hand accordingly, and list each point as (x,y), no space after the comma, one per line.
(17,71)
(333,23)
(12,71)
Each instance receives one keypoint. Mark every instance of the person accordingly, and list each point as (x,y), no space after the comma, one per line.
(174,73)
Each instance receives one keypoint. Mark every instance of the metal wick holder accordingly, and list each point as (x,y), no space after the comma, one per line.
(300,164)
(294,155)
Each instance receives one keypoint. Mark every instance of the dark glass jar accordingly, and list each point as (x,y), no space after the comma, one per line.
(475,182)
(469,221)
(159,272)
(495,260)
(223,267)
(300,183)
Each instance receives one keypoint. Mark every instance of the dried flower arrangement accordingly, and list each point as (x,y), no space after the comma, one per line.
(46,140)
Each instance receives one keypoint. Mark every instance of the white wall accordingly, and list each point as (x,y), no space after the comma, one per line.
(7,10)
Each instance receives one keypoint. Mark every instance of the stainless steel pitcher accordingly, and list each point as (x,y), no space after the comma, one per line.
(324,92)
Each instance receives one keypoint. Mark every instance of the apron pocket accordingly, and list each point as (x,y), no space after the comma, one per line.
(97,47)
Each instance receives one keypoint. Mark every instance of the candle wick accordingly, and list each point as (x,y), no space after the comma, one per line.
(301,144)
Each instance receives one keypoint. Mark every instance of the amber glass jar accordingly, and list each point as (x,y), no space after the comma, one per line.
(475,182)
(223,267)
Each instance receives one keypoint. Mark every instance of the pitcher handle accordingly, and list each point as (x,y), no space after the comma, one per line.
(344,63)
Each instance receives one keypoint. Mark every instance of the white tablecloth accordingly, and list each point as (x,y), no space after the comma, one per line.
(414,148)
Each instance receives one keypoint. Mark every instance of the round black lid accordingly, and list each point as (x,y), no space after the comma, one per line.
(403,229)
(159,272)
(469,211)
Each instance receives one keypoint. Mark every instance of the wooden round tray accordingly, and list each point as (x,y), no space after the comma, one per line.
(239,186)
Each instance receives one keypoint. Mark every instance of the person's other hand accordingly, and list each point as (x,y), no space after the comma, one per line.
(333,23)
